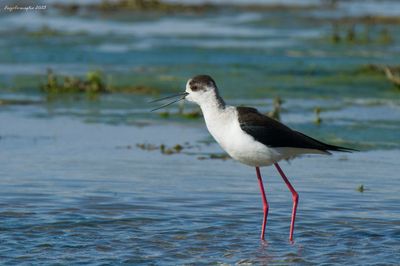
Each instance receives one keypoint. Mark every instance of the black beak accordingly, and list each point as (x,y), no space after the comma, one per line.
(180,95)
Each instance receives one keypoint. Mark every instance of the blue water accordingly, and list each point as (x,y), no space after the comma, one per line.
(76,189)
(71,193)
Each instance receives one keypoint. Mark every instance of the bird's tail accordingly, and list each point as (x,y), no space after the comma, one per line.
(339,148)
(319,145)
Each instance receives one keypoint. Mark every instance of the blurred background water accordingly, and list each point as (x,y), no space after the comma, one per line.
(89,175)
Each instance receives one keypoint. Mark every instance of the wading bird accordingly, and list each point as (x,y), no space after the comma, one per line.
(250,137)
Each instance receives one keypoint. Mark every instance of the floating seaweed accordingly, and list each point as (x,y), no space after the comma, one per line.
(218,156)
(361,188)
(162,148)
(168,151)
(92,84)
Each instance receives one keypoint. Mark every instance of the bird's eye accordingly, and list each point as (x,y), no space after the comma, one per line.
(194,87)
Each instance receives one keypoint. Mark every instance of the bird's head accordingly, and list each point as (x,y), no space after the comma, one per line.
(200,89)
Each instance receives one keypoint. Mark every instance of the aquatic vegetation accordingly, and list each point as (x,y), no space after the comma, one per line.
(318,119)
(217,156)
(164,114)
(146,146)
(162,148)
(350,35)
(193,114)
(393,75)
(221,156)
(276,111)
(92,84)
(369,69)
(168,151)
(335,37)
(360,188)
(369,19)
(177,147)
(47,31)
(385,37)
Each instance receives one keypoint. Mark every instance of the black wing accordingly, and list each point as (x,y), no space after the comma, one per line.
(272,133)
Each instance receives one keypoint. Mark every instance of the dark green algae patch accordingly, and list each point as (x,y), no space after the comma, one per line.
(93,83)
(185,148)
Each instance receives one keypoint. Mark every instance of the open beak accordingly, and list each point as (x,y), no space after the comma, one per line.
(180,95)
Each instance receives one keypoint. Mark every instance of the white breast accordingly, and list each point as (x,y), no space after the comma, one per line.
(225,128)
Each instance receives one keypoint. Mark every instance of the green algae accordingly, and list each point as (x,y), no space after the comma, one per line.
(164,149)
(93,83)
(215,156)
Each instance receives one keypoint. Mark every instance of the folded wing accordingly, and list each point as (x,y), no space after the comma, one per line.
(272,133)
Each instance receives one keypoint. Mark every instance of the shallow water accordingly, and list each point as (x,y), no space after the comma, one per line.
(71,193)
(76,188)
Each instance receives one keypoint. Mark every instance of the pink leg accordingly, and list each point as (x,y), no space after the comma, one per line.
(295,197)
(264,199)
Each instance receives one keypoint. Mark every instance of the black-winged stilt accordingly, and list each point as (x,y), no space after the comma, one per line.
(251,137)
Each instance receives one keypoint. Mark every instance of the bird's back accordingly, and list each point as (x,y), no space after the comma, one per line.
(273,133)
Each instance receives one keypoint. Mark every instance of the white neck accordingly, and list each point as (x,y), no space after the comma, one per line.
(212,105)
